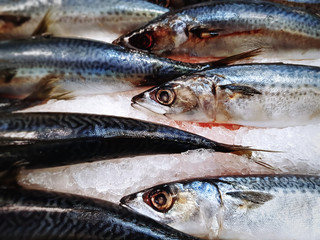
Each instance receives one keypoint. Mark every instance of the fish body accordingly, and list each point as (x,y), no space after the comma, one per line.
(246,207)
(38,140)
(309,5)
(263,95)
(80,67)
(31,215)
(94,19)
(218,29)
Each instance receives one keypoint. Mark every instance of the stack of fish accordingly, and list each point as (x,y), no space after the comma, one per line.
(186,60)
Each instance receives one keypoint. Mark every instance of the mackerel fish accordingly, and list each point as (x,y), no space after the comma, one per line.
(262,95)
(218,29)
(39,140)
(246,207)
(37,215)
(94,19)
(309,5)
(44,68)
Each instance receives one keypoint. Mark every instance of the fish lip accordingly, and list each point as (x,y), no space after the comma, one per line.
(141,107)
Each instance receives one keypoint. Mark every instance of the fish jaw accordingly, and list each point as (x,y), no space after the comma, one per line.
(191,212)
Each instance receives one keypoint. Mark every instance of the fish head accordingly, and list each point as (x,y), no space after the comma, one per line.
(182,206)
(188,98)
(171,99)
(160,36)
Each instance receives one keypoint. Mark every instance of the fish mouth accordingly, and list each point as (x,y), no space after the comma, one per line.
(124,200)
(141,107)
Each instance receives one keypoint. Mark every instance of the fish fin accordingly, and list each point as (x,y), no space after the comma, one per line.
(240,90)
(11,21)
(6,75)
(251,198)
(42,28)
(203,32)
(234,58)
(46,89)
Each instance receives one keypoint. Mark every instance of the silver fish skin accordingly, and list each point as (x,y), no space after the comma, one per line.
(40,140)
(309,5)
(246,207)
(36,215)
(94,19)
(218,29)
(261,95)
(66,66)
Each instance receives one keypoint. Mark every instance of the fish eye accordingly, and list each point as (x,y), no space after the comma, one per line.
(165,96)
(142,41)
(160,200)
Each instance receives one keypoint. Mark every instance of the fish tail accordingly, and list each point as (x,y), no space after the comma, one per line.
(246,151)
(240,150)
(232,59)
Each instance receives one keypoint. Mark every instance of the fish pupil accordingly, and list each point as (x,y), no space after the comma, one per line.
(160,199)
(164,96)
(141,41)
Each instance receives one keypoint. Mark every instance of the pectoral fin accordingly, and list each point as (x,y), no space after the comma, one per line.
(251,198)
(42,28)
(47,89)
(236,90)
(205,32)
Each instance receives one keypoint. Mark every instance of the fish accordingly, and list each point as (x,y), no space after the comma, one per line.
(42,68)
(259,95)
(94,19)
(218,29)
(308,5)
(34,214)
(246,207)
(80,65)
(40,140)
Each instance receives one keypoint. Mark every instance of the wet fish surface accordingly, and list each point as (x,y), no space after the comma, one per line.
(263,95)
(228,27)
(63,67)
(37,140)
(32,214)
(247,207)
(309,5)
(94,19)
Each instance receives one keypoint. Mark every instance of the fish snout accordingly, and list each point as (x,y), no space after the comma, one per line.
(137,98)
(124,200)
(119,41)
